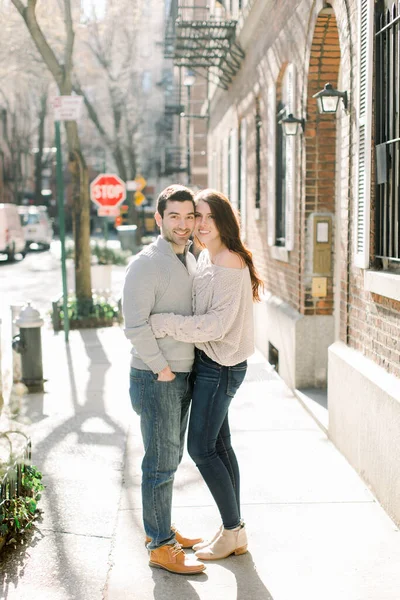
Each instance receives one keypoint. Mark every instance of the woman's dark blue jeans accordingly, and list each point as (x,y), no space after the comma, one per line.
(209,437)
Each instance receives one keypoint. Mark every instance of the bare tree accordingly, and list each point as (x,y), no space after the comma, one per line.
(110,74)
(61,69)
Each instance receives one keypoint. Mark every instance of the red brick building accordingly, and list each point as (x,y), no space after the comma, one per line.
(320,209)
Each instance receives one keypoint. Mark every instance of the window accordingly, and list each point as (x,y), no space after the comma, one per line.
(387,137)
(281,163)
(233,167)
(242,176)
(146,82)
(258,154)
(280,184)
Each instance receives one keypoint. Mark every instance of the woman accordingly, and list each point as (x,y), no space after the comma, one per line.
(225,285)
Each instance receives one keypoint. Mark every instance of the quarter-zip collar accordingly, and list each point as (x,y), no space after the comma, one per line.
(166,247)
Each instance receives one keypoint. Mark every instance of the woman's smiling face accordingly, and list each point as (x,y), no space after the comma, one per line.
(205,228)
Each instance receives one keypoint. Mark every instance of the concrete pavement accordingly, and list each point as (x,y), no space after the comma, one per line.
(314,529)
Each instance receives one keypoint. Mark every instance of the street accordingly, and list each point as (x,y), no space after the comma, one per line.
(37,278)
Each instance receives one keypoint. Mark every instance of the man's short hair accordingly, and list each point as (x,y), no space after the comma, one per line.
(174,192)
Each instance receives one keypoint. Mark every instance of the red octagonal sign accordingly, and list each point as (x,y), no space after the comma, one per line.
(107,190)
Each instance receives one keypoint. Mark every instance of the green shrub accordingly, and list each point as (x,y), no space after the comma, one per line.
(102,254)
(97,312)
(18,514)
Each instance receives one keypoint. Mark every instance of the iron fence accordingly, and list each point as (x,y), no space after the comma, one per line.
(387,131)
(11,480)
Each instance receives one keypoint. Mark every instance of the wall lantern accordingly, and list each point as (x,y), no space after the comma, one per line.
(328,99)
(189,78)
(290,124)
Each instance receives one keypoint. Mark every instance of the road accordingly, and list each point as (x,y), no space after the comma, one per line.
(37,278)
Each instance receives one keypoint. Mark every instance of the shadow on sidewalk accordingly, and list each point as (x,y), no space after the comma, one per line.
(70,450)
(168,586)
(249,584)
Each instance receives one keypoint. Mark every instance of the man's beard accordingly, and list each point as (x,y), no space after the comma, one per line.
(168,236)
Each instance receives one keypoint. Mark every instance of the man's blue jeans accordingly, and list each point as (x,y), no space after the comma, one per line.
(163,408)
(209,437)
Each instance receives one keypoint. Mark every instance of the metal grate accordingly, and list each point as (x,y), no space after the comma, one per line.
(387,132)
(173,160)
(196,39)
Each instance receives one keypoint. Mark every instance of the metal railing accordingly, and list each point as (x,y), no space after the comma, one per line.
(173,160)
(387,133)
(11,480)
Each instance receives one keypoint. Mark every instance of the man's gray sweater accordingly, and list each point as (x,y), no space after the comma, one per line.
(157,282)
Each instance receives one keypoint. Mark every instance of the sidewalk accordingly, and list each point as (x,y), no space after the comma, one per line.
(314,529)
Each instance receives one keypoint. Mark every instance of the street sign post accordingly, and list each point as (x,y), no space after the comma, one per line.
(139,198)
(141,183)
(65,108)
(107,191)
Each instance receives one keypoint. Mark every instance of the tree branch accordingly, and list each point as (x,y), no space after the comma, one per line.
(29,16)
(92,113)
(69,46)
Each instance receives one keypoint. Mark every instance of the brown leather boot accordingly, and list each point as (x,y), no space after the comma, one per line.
(183,541)
(173,559)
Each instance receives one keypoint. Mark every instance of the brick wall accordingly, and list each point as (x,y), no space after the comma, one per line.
(324,49)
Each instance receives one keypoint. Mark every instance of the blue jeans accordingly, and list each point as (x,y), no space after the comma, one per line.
(209,437)
(163,408)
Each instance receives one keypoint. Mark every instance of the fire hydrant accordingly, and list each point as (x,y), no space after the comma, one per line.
(29,344)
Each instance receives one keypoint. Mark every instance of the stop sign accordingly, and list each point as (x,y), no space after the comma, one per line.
(107,190)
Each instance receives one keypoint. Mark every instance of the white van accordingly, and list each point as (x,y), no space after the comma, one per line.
(12,239)
(37,226)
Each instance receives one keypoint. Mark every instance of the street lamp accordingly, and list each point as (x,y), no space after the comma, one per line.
(188,80)
(290,124)
(328,99)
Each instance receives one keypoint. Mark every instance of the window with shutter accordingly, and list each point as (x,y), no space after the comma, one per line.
(242,200)
(233,167)
(363,189)
(271,142)
(258,155)
(225,166)
(282,203)
(290,141)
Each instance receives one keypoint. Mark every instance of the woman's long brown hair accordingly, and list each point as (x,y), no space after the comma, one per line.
(227,223)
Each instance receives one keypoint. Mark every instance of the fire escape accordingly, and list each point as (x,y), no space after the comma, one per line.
(197,39)
(204,43)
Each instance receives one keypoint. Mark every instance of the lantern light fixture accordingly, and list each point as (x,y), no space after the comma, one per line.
(291,125)
(328,99)
(189,78)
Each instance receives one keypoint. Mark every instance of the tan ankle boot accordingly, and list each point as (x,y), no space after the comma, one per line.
(205,543)
(173,559)
(230,541)
(181,539)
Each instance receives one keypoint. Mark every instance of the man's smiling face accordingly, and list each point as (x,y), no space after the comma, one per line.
(177,223)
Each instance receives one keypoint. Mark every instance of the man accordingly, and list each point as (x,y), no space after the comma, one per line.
(159,280)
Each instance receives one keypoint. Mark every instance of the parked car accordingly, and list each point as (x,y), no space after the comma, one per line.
(12,239)
(37,226)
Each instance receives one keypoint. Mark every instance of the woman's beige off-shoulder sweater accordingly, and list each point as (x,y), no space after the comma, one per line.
(222,325)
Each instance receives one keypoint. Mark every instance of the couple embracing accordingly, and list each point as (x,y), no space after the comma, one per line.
(191,329)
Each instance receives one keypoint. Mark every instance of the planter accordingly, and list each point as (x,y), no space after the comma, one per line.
(99,312)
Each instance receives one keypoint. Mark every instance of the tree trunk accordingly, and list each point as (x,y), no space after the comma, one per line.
(80,213)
